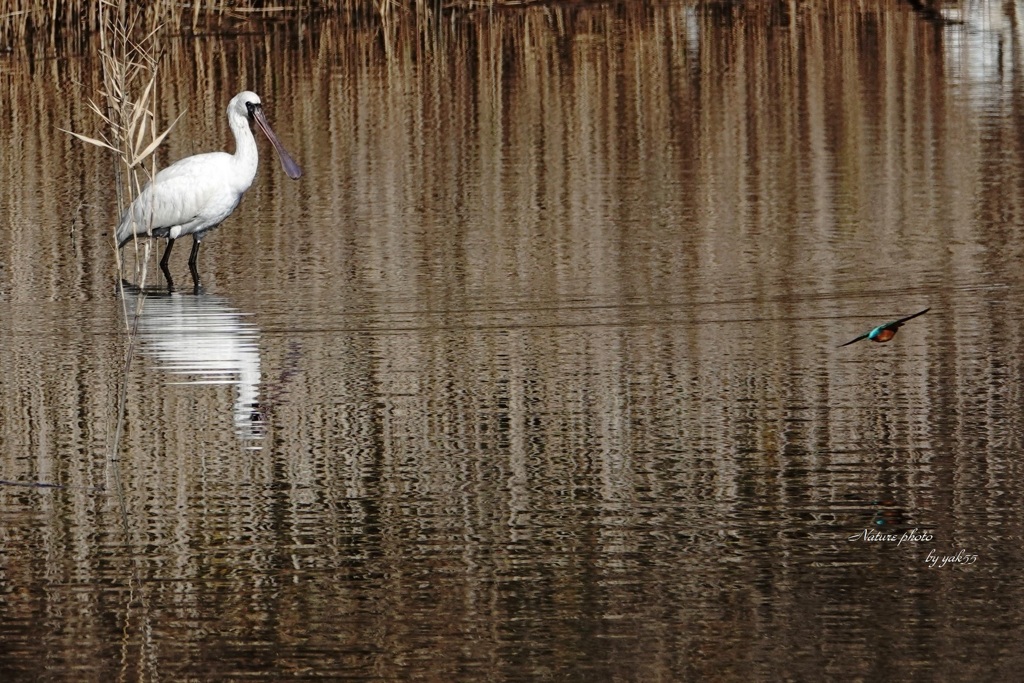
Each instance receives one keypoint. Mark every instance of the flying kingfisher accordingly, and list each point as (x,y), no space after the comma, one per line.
(884,333)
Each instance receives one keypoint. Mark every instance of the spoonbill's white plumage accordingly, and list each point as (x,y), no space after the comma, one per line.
(195,194)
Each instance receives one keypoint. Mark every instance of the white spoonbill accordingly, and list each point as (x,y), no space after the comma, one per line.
(195,194)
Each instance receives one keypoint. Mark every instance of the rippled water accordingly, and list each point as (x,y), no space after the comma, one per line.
(535,375)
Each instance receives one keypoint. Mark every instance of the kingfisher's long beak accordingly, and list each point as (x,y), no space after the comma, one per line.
(287,163)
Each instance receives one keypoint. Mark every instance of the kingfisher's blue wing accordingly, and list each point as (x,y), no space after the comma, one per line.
(863,336)
(895,324)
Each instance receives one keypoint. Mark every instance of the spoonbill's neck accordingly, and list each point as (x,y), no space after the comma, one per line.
(246,154)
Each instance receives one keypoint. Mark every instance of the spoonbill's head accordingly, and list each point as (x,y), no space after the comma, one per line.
(247,105)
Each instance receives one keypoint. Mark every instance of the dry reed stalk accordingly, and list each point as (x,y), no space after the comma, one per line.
(126,107)
(25,21)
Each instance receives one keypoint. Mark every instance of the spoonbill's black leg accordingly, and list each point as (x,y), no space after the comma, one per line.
(192,257)
(163,265)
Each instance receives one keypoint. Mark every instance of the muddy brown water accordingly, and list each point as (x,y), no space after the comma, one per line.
(534,375)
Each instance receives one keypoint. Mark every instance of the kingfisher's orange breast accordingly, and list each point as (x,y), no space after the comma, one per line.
(884,336)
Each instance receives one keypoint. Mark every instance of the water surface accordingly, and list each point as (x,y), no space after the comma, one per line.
(534,375)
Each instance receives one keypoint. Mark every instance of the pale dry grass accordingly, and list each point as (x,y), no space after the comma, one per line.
(129,123)
(125,109)
(24,21)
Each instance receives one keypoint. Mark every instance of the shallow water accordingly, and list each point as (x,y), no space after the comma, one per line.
(534,375)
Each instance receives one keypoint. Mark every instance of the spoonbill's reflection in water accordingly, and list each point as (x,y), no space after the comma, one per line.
(205,339)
